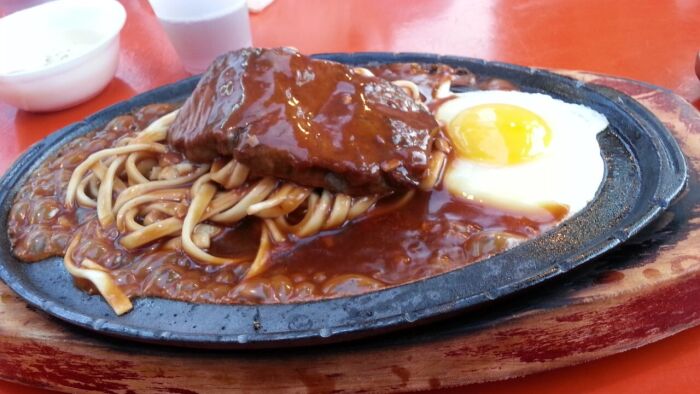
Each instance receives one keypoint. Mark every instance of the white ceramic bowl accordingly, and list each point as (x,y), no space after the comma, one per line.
(59,54)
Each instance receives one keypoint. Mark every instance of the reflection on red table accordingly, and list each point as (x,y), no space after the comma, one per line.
(656,42)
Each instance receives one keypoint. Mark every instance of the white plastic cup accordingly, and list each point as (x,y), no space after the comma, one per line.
(204,29)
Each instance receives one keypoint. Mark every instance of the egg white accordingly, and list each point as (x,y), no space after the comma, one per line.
(569,173)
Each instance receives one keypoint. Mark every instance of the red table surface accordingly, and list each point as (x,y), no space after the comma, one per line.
(652,41)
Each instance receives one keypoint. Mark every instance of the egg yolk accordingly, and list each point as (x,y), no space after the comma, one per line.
(500,134)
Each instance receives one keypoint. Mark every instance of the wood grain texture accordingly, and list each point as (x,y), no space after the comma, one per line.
(641,292)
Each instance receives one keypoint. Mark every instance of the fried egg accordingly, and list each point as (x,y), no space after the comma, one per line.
(522,151)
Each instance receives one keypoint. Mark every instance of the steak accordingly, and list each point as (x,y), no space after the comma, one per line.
(313,122)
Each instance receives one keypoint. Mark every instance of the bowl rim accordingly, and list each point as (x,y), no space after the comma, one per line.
(112,7)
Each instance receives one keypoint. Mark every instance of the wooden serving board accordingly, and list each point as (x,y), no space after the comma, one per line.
(644,291)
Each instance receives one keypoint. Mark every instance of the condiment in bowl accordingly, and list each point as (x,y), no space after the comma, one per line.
(59,54)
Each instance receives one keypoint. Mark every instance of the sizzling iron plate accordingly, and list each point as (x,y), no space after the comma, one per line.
(645,171)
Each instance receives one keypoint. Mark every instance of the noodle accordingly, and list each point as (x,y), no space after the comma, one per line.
(104,195)
(262,257)
(202,191)
(99,277)
(151,232)
(134,173)
(161,195)
(136,190)
(232,175)
(83,199)
(86,165)
(436,166)
(410,88)
(240,210)
(149,199)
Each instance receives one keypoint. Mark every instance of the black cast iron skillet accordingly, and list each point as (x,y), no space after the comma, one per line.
(645,170)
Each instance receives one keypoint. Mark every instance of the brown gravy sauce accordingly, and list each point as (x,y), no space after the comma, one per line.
(434,233)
